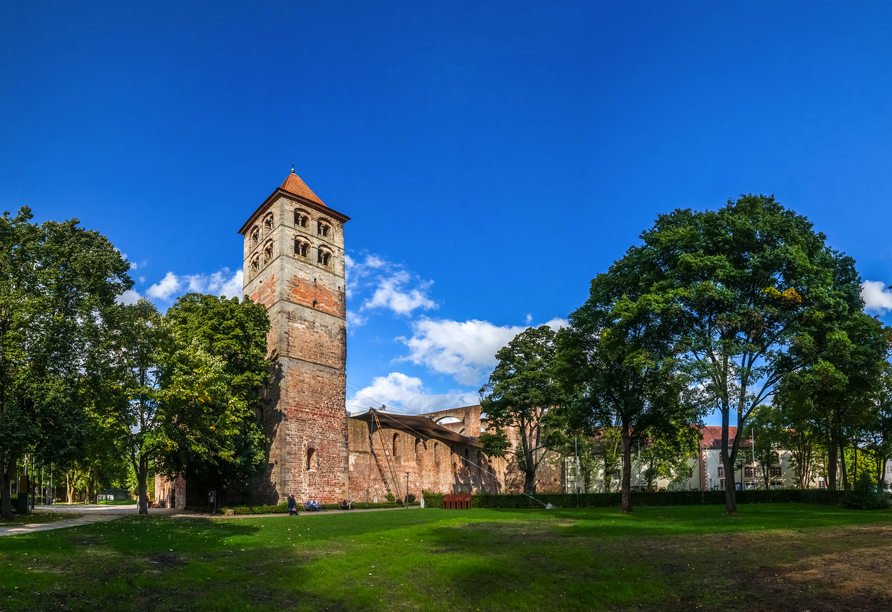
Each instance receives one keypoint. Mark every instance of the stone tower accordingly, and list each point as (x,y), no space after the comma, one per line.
(294,264)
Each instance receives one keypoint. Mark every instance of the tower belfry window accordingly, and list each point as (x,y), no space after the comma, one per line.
(322,228)
(255,235)
(301,219)
(268,222)
(268,252)
(323,257)
(301,247)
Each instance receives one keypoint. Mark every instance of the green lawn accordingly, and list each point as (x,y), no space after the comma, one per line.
(36,517)
(770,557)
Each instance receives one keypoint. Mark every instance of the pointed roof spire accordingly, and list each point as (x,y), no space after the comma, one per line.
(294,185)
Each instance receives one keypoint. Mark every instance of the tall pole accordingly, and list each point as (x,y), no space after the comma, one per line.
(407,490)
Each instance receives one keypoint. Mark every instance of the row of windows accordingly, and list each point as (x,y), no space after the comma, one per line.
(301,249)
(750,472)
(301,219)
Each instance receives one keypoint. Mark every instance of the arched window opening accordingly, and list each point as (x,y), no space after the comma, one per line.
(255,235)
(301,248)
(323,257)
(311,458)
(255,265)
(322,228)
(301,219)
(268,252)
(396,444)
(268,222)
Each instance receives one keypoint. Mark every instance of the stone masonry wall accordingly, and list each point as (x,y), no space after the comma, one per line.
(305,415)
(435,465)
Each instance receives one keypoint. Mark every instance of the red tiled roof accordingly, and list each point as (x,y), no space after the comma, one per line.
(294,185)
(711,437)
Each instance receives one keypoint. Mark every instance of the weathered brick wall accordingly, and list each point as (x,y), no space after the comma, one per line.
(170,493)
(435,465)
(432,465)
(305,414)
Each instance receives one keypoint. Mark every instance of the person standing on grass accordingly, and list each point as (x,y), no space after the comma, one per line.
(292,505)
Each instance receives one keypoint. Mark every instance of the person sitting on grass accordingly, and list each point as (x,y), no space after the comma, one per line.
(292,505)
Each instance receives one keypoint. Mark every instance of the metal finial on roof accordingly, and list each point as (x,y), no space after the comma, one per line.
(292,167)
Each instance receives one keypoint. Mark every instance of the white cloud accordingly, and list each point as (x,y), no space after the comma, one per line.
(392,293)
(465,350)
(877,298)
(223,283)
(131,296)
(392,287)
(354,320)
(165,288)
(406,394)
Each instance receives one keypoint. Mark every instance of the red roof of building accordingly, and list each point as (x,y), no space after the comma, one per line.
(294,185)
(711,437)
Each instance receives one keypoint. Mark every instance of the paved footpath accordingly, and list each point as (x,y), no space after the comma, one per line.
(98,513)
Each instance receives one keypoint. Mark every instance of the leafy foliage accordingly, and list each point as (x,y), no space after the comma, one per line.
(521,391)
(58,284)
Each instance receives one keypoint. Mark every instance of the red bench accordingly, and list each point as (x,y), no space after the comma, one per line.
(457,501)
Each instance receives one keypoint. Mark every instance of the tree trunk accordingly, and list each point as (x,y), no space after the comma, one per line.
(832,465)
(529,482)
(730,490)
(141,477)
(6,472)
(68,492)
(842,465)
(627,471)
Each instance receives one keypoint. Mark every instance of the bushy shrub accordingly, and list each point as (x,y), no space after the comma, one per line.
(864,495)
(389,497)
(411,498)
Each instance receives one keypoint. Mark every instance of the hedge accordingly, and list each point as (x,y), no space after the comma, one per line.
(283,508)
(663,498)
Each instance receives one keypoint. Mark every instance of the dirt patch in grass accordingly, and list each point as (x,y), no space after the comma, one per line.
(86,540)
(166,561)
(832,570)
(523,531)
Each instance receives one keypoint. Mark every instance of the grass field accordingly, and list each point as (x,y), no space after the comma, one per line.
(770,557)
(35,517)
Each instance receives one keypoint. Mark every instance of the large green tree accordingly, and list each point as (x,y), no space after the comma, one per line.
(841,353)
(616,361)
(225,446)
(58,284)
(877,432)
(745,279)
(520,395)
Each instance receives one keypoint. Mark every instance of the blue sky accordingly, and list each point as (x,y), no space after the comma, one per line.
(494,156)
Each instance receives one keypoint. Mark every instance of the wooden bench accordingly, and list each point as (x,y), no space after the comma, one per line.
(457,501)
